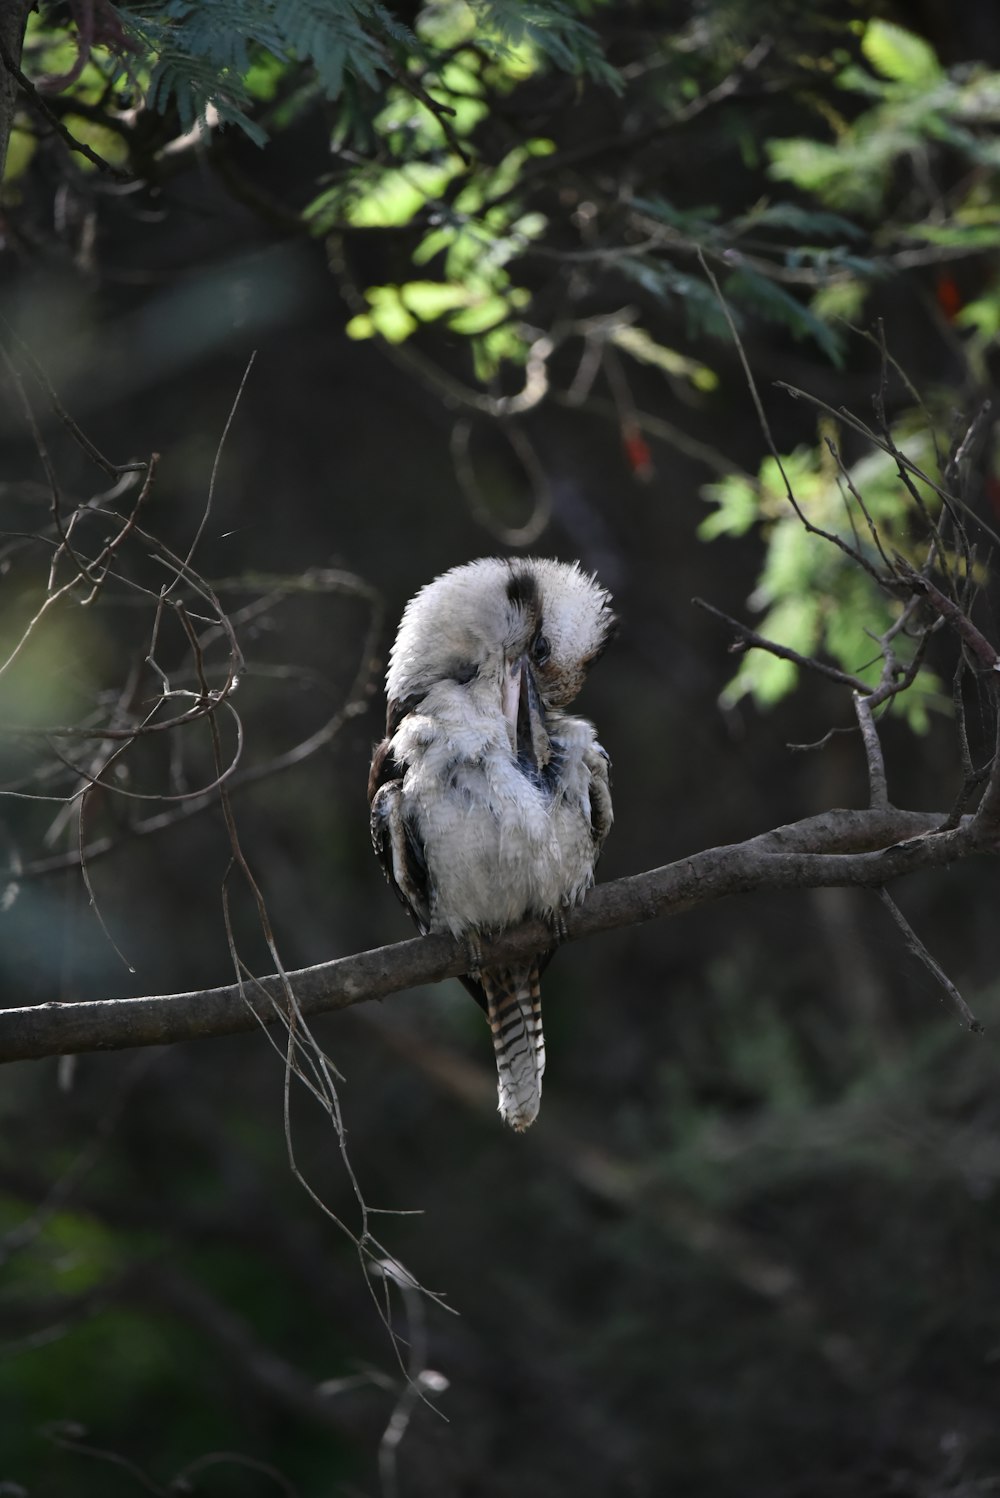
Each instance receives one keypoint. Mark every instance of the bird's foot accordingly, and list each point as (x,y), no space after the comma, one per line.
(556,922)
(473,951)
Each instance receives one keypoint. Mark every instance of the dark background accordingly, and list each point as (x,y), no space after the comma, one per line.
(751,1244)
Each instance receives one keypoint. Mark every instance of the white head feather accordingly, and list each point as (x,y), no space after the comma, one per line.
(485,612)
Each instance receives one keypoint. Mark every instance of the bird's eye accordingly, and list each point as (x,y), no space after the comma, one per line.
(464,673)
(540,650)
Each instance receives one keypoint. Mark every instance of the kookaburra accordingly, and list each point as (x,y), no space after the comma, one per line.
(489,802)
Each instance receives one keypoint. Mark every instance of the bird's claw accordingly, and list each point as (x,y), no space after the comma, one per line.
(556,923)
(473,951)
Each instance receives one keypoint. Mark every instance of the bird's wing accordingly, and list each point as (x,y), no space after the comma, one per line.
(601,814)
(399,849)
(395,839)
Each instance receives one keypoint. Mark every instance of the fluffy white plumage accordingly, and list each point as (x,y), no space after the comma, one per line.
(489,802)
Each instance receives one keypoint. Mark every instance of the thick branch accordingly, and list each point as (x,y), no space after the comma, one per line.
(835,848)
(13,19)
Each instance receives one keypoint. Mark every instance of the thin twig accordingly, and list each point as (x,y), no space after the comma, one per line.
(215,465)
(918,949)
(765,426)
(465,472)
(904,463)
(752,640)
(113,470)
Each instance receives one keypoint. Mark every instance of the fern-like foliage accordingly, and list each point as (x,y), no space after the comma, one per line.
(203,52)
(554,28)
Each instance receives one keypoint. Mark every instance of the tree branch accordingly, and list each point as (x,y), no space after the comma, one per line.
(865,848)
(13,20)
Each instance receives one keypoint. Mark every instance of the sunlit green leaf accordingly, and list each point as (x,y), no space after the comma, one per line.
(983,314)
(429,299)
(764,677)
(844,298)
(432,244)
(481,316)
(104,142)
(389,316)
(961,235)
(642,346)
(20,149)
(491,350)
(400,193)
(900,54)
(360,326)
(264,76)
(736,509)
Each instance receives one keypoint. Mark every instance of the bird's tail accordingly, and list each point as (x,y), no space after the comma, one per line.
(514,1010)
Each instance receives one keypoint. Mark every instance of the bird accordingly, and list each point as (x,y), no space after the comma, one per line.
(490,803)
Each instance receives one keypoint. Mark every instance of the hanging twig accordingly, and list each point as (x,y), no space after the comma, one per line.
(918,949)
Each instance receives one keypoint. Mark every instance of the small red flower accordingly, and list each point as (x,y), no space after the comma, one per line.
(947,294)
(637,453)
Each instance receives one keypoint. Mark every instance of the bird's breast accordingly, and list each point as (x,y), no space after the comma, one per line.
(499,844)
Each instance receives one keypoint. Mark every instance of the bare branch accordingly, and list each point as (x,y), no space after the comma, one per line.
(33,96)
(864,848)
(986,656)
(878,788)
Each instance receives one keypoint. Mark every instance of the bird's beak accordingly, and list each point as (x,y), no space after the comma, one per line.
(525,715)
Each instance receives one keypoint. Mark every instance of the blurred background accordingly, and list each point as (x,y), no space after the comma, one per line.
(752,1242)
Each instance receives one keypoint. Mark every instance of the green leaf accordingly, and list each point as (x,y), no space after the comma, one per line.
(544,28)
(492,349)
(481,316)
(429,299)
(736,510)
(644,348)
(701,309)
(900,55)
(765,678)
(402,192)
(803,221)
(834,173)
(844,298)
(772,301)
(983,315)
(959,235)
(696,221)
(388,316)
(360,326)
(432,244)
(108,144)
(20,150)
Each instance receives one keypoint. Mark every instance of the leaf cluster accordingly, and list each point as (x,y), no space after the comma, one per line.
(812,598)
(427,153)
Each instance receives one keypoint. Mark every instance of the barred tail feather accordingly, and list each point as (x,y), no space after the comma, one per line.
(514,1010)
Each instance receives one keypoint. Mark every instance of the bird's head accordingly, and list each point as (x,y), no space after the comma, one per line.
(518,633)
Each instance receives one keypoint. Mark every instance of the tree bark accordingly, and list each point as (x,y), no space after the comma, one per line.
(13,20)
